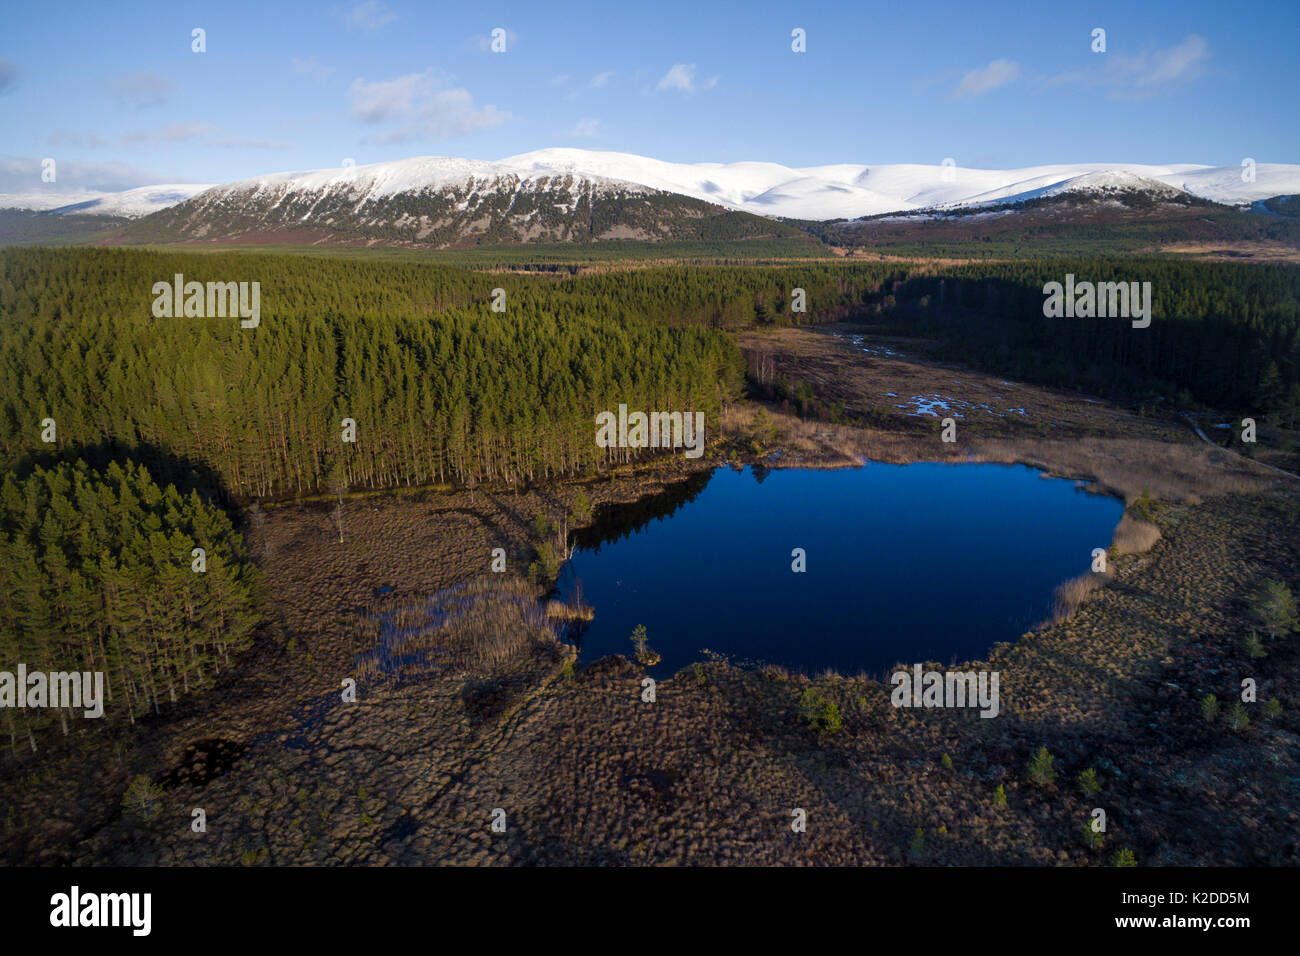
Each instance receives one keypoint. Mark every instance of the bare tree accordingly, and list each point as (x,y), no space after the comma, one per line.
(562,546)
(257,522)
(338,483)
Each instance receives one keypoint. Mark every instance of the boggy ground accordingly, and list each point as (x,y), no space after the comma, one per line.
(890,399)
(319,596)
(587,772)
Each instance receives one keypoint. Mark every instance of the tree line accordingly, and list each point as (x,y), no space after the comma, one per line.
(99,572)
(442,388)
(1223,334)
(439,385)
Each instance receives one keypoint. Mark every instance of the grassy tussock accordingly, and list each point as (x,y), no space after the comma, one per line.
(559,611)
(1129,467)
(1134,536)
(1071,594)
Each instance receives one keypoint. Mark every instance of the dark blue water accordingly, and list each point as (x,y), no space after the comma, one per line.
(905,563)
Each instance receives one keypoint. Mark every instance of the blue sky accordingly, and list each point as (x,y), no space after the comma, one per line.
(119,99)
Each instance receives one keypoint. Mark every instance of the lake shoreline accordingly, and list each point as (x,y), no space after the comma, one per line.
(1115,687)
(889,563)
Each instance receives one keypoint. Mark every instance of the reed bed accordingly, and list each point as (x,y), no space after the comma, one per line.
(483,625)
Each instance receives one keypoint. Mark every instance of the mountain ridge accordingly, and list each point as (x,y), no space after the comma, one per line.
(840,191)
(414,202)
(572,195)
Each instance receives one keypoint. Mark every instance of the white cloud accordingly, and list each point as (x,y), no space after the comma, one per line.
(142,89)
(680,76)
(74,139)
(208,134)
(367,17)
(385,99)
(1145,74)
(586,127)
(1183,62)
(241,142)
(422,110)
(170,133)
(311,68)
(23,175)
(985,79)
(600,79)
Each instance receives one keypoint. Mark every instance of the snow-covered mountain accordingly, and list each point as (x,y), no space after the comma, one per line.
(433,201)
(849,191)
(567,194)
(129,204)
(1102,184)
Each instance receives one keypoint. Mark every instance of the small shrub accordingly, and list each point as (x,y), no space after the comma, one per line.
(1273,606)
(1209,707)
(644,654)
(1124,857)
(831,721)
(1000,797)
(1093,839)
(1041,770)
(1237,718)
(581,508)
(1273,707)
(1088,783)
(822,715)
(946,761)
(143,798)
(546,567)
(1253,646)
(1145,508)
(700,676)
(764,431)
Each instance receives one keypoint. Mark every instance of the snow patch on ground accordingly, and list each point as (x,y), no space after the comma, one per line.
(927,404)
(859,341)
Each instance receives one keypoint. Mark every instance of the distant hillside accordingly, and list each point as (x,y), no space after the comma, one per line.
(1068,224)
(554,197)
(1283,205)
(442,204)
(26,226)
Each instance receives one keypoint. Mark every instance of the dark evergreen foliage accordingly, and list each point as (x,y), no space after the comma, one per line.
(97,573)
(1227,334)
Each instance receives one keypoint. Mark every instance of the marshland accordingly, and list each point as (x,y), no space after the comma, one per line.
(371,564)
